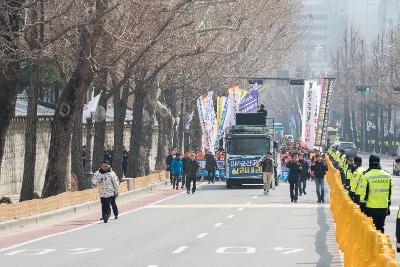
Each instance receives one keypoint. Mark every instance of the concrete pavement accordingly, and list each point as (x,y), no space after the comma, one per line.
(214,227)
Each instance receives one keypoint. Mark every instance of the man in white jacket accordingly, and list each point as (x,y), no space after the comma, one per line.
(108,185)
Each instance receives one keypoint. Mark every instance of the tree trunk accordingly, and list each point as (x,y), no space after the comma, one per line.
(77,169)
(164,140)
(141,131)
(120,105)
(28,180)
(346,120)
(381,129)
(9,65)
(99,136)
(353,121)
(56,180)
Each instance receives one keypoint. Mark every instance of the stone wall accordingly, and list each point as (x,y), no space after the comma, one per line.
(13,161)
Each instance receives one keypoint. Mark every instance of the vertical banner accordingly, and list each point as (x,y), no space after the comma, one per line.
(200,110)
(307,111)
(211,121)
(316,100)
(234,97)
(222,105)
(328,86)
(249,102)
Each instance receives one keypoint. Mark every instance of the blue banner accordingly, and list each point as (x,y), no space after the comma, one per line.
(249,102)
(244,167)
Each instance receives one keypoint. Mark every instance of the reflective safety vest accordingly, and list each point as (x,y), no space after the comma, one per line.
(330,151)
(355,179)
(336,156)
(348,172)
(342,163)
(379,184)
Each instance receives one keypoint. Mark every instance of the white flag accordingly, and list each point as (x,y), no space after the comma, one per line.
(91,107)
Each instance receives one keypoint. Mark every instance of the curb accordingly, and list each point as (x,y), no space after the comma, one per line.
(11,226)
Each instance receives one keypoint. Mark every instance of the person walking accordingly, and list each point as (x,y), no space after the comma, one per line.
(168,162)
(268,172)
(377,194)
(319,168)
(305,174)
(108,186)
(211,166)
(192,166)
(125,156)
(185,160)
(176,168)
(295,170)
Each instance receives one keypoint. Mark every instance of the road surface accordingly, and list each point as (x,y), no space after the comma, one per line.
(214,227)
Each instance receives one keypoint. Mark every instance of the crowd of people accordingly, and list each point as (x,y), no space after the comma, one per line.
(301,166)
(183,169)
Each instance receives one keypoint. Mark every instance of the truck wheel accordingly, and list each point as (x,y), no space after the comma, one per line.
(228,184)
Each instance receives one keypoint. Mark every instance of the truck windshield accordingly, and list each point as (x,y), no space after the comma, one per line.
(248,146)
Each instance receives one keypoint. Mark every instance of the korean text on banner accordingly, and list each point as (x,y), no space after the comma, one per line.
(307,110)
(328,86)
(316,99)
(200,110)
(234,97)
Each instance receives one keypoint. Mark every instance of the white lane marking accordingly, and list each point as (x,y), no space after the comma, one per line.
(240,209)
(179,250)
(248,203)
(30,252)
(236,250)
(202,235)
(86,226)
(152,265)
(76,251)
(255,197)
(230,216)
(287,251)
(218,224)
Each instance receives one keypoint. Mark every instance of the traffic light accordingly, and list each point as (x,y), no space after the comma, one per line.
(364,89)
(256,81)
(296,82)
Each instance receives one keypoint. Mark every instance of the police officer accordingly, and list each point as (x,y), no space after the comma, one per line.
(348,172)
(377,193)
(342,166)
(336,157)
(355,180)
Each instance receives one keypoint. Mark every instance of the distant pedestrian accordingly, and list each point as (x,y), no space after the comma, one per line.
(176,168)
(84,157)
(192,166)
(295,170)
(168,162)
(262,110)
(108,154)
(125,156)
(304,176)
(108,186)
(211,167)
(185,160)
(319,169)
(268,172)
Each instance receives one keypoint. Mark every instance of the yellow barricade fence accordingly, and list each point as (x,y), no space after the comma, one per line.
(356,235)
(37,206)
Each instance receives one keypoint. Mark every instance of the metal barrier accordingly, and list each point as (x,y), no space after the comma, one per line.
(356,235)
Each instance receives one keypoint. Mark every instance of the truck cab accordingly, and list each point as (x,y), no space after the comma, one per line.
(246,146)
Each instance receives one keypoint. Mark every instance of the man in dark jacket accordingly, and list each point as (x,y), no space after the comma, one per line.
(192,166)
(305,174)
(185,161)
(268,170)
(262,110)
(295,170)
(168,162)
(211,167)
(319,168)
(125,155)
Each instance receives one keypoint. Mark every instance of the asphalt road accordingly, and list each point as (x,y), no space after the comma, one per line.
(390,227)
(214,227)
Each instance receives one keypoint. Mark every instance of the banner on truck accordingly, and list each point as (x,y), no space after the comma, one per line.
(244,167)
